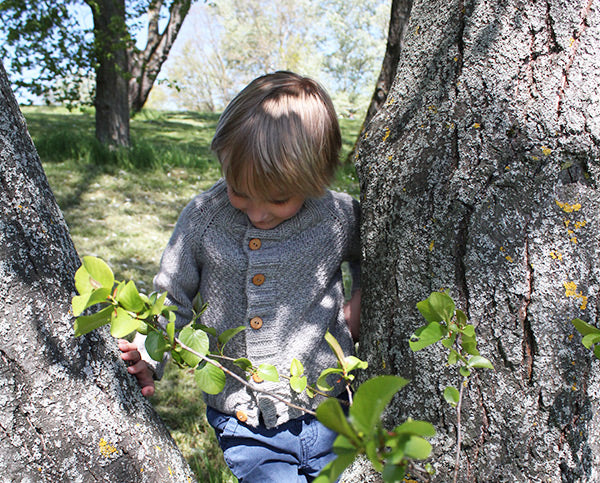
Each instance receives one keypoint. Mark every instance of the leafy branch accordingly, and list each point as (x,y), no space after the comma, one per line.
(449,324)
(359,427)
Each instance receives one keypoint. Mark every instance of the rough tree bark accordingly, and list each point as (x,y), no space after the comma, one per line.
(68,409)
(480,176)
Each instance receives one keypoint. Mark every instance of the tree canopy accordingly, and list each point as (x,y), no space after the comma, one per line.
(52,53)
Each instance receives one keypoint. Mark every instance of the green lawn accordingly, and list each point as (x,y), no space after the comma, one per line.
(122,206)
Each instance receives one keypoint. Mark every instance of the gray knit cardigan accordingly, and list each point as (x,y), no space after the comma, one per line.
(216,252)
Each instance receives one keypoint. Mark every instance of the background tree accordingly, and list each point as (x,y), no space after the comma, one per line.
(339,43)
(52,54)
(69,410)
(399,15)
(480,176)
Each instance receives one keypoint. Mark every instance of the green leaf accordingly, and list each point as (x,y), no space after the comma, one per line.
(351,363)
(469,345)
(209,330)
(170,329)
(597,351)
(469,331)
(298,384)
(481,362)
(461,318)
(417,448)
(451,395)
(322,380)
(418,428)
(143,328)
(335,347)
(335,468)
(448,343)
(243,363)
(464,371)
(590,339)
(156,345)
(452,357)
(393,472)
(372,454)
(87,323)
(296,368)
(196,340)
(427,335)
(370,400)
(229,334)
(331,415)
(159,303)
(122,323)
(584,328)
(210,379)
(129,298)
(86,300)
(268,372)
(93,274)
(437,307)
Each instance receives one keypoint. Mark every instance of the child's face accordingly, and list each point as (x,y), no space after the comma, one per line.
(266,213)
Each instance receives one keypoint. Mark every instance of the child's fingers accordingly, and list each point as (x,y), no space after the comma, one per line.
(148,390)
(138,369)
(126,346)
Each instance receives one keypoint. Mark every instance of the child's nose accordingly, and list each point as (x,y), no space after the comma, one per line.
(256,213)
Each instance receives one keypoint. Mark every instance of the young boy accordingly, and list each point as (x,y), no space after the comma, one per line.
(264,247)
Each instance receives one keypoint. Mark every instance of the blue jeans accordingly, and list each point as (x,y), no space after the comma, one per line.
(293,452)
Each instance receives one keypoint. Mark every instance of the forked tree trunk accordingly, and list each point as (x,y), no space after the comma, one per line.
(68,409)
(480,176)
(145,64)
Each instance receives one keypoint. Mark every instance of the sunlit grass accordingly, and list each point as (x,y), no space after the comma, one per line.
(123,209)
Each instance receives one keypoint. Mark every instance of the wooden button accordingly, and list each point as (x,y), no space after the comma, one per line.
(255,244)
(258,279)
(242,416)
(256,323)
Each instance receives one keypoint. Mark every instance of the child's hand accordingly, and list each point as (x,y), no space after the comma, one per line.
(138,367)
(352,314)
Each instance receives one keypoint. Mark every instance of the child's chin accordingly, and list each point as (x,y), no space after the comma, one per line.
(265,225)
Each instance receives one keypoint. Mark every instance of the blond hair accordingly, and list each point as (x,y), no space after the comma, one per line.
(280,132)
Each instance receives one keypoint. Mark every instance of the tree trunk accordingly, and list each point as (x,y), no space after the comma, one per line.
(69,411)
(112,91)
(480,176)
(145,65)
(399,14)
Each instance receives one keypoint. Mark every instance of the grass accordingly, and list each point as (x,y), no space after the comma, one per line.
(122,207)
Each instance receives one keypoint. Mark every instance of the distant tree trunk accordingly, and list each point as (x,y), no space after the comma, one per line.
(480,176)
(112,84)
(145,65)
(124,74)
(399,14)
(69,411)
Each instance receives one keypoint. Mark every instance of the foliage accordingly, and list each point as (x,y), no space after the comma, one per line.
(353,46)
(590,336)
(339,43)
(447,323)
(52,48)
(43,43)
(122,306)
